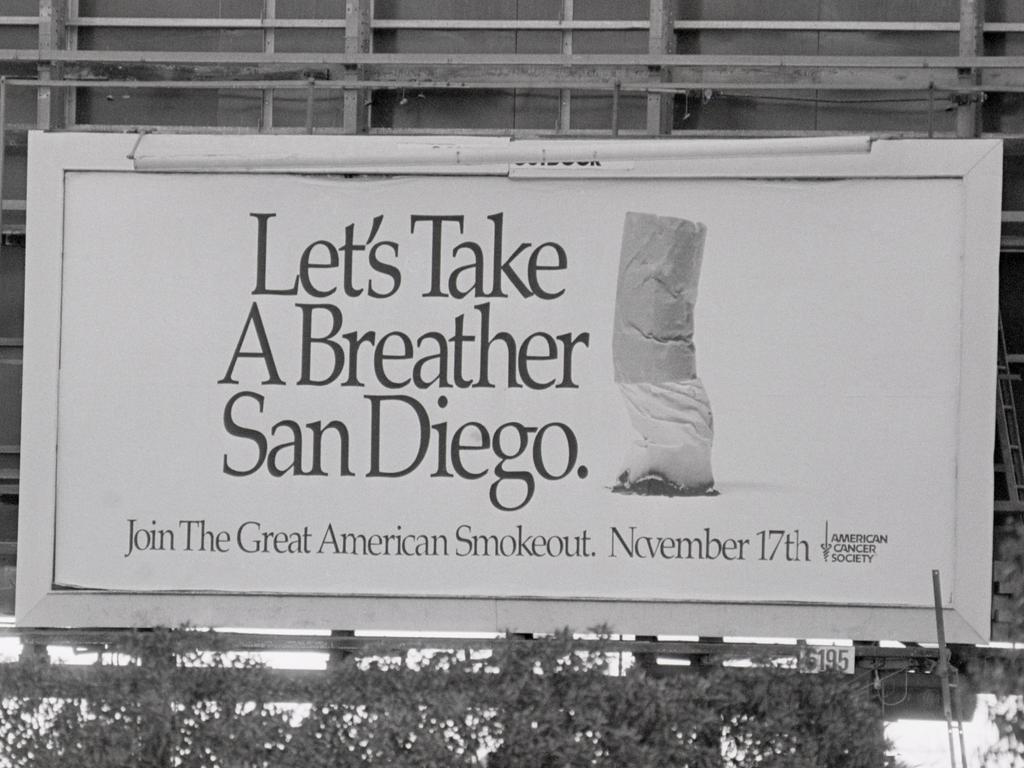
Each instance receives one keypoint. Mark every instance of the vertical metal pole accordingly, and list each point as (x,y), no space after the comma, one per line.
(565,95)
(958,716)
(971,43)
(940,628)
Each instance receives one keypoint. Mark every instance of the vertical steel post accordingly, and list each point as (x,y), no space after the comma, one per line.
(958,717)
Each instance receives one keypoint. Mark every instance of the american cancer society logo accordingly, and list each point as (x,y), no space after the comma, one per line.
(855,547)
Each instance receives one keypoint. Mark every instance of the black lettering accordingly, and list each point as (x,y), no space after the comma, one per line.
(306,264)
(255,320)
(423,423)
(261,260)
(436,223)
(503,266)
(234,429)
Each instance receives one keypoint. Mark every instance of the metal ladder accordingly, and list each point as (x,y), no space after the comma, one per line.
(1008,428)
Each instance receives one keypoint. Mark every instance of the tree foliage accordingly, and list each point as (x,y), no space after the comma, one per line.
(1005,677)
(544,702)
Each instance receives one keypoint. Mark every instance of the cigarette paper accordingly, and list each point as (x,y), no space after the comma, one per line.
(655,359)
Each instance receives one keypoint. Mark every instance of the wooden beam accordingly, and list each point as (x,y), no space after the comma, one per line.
(661,40)
(69,42)
(909,73)
(796,61)
(269,45)
(565,94)
(942,81)
(497,25)
(730,25)
(358,40)
(914,27)
(424,79)
(51,40)
(373,643)
(267,22)
(566,24)
(518,25)
(971,43)
(388,79)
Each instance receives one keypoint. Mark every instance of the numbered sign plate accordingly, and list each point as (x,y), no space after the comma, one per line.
(829,658)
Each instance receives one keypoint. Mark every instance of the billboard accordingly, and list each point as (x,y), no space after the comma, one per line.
(711,395)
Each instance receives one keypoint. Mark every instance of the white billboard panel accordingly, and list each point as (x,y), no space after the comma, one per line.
(729,397)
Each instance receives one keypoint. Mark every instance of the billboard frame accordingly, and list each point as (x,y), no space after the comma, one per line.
(966,603)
